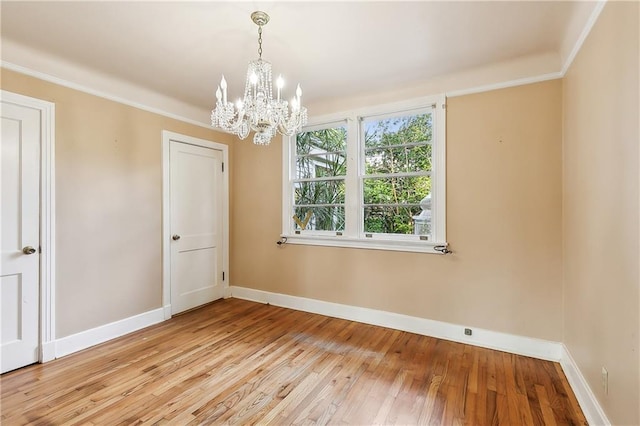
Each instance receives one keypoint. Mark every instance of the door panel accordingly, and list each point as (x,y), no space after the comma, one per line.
(11,307)
(19,280)
(196,217)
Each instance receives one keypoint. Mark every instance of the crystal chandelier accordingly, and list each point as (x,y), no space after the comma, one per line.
(258,110)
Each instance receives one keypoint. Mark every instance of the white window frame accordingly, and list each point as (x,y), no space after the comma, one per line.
(354,236)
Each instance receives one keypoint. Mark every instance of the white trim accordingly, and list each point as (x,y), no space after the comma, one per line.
(505,84)
(595,14)
(227,292)
(439,178)
(521,345)
(167,137)
(167,310)
(48,351)
(47,233)
(85,339)
(363,243)
(66,83)
(590,406)
(405,105)
(166,228)
(47,285)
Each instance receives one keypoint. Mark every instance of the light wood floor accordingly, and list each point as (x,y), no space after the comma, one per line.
(240,362)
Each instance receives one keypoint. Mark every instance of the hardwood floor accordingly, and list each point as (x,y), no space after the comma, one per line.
(240,362)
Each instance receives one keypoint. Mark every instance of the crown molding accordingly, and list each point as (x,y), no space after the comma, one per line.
(102,94)
(595,14)
(40,65)
(505,84)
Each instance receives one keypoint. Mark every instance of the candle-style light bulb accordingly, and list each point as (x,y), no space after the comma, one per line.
(298,94)
(280,85)
(223,85)
(253,78)
(239,104)
(218,94)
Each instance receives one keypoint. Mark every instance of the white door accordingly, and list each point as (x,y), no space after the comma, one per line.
(20,235)
(196,225)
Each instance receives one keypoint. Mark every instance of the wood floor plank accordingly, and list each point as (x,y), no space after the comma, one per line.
(239,362)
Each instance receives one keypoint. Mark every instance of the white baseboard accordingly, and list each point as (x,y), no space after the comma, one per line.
(528,346)
(167,312)
(590,406)
(79,341)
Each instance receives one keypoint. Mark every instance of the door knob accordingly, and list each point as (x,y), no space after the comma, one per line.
(176,237)
(28,250)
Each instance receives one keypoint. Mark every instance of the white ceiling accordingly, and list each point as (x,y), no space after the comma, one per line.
(334,49)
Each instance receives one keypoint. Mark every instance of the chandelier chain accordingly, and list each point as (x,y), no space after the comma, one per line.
(260,41)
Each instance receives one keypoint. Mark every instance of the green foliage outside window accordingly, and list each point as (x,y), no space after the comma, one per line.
(394,147)
(321,155)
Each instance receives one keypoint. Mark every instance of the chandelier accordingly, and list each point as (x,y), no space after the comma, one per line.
(258,110)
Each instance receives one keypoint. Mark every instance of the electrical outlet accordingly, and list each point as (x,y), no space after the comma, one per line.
(605,381)
(468,332)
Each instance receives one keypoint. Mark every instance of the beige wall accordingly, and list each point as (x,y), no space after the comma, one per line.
(108,204)
(503,223)
(601,282)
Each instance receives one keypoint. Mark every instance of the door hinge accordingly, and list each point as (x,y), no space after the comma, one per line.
(222,275)
(223,167)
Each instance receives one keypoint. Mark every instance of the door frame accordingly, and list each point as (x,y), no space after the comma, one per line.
(47,282)
(167,137)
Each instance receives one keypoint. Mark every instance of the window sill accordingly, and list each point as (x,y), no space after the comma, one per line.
(371,244)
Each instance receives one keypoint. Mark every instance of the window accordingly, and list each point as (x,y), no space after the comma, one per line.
(371,179)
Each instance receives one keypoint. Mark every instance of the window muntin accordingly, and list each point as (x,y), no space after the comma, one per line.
(396,179)
(319,185)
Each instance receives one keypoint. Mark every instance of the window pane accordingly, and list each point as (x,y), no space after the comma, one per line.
(397,220)
(322,192)
(321,165)
(396,190)
(398,130)
(320,218)
(322,141)
(401,159)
